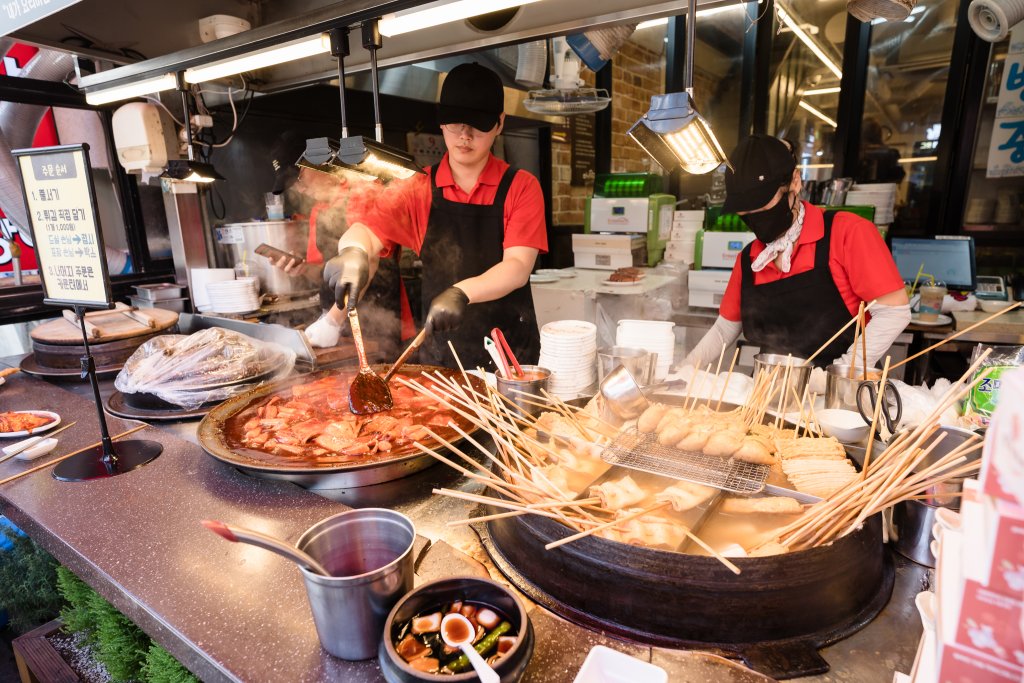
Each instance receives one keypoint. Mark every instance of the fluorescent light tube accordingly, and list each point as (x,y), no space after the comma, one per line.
(821,91)
(820,114)
(307,47)
(653,23)
(437,13)
(914,160)
(786,19)
(132,90)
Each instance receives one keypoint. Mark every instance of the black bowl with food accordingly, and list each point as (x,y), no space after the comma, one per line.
(412,650)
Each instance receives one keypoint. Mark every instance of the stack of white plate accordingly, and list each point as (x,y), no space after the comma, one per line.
(882,196)
(234,296)
(656,336)
(203,276)
(568,348)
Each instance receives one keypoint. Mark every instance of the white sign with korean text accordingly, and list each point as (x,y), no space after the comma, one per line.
(60,201)
(15,14)
(1006,146)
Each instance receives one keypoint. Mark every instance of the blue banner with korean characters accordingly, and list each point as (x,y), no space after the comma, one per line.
(1006,149)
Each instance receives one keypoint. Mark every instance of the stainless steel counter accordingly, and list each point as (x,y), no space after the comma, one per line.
(235,613)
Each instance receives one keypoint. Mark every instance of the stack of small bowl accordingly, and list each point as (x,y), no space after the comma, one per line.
(656,336)
(568,348)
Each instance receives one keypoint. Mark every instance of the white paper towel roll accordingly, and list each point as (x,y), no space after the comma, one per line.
(993,19)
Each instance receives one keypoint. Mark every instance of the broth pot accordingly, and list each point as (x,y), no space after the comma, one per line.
(774,615)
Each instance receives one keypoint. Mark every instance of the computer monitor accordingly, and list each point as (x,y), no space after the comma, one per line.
(947,259)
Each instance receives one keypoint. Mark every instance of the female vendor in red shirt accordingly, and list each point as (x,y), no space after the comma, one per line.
(476,224)
(807,272)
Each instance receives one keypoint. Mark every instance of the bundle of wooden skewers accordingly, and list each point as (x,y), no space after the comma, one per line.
(897,474)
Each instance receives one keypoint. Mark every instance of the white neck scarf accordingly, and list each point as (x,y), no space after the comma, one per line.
(783,246)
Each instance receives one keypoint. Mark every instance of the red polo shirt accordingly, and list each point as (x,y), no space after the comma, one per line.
(861,264)
(398,213)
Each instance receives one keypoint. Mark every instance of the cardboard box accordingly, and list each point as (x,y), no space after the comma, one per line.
(959,664)
(989,622)
(1002,465)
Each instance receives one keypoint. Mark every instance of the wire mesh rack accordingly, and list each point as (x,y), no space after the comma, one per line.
(641,451)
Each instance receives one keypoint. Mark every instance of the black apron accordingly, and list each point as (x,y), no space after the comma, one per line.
(463,241)
(796,314)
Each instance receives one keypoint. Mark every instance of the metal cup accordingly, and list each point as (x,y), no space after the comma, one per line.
(511,388)
(621,397)
(840,390)
(793,368)
(369,555)
(640,363)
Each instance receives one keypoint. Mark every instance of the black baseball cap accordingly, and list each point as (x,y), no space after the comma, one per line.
(471,94)
(761,164)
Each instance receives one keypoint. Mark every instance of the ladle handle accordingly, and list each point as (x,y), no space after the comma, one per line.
(416,343)
(483,670)
(240,535)
(357,337)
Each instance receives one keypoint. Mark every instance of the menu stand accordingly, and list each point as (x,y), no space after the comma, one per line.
(108,459)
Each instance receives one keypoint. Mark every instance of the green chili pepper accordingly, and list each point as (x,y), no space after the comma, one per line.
(483,647)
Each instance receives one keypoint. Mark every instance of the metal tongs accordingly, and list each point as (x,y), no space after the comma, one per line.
(504,354)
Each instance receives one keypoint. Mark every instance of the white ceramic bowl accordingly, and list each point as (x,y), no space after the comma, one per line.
(990,306)
(846,425)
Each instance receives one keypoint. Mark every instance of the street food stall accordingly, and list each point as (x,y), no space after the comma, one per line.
(263,509)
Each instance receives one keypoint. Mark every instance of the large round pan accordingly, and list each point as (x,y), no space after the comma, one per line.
(401,462)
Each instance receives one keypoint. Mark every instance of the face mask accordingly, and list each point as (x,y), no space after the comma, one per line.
(768,225)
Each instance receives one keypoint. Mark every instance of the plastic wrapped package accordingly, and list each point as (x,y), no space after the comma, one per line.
(984,396)
(209,366)
(919,401)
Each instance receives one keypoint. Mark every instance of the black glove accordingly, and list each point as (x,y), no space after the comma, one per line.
(446,310)
(347,274)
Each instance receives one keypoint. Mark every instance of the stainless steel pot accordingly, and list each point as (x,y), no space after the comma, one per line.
(237,242)
(914,519)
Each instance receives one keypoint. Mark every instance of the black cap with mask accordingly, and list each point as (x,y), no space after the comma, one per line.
(761,164)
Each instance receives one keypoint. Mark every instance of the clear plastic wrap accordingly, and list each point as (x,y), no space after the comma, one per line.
(209,366)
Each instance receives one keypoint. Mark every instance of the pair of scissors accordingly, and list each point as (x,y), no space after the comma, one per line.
(890,402)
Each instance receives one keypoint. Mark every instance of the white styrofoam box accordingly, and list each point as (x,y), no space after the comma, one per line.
(1002,463)
(605,665)
(688,215)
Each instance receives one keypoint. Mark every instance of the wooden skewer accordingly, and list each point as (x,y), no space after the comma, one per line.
(732,364)
(714,553)
(835,336)
(19,475)
(607,525)
(856,337)
(957,334)
(863,344)
(879,402)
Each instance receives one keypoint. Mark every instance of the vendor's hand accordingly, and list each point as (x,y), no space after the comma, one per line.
(324,333)
(347,274)
(446,310)
(289,264)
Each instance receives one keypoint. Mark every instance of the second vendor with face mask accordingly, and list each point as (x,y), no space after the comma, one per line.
(807,272)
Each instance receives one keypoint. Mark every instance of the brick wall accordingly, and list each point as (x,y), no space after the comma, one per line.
(637,74)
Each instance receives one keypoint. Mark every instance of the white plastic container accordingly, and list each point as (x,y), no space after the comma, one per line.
(605,665)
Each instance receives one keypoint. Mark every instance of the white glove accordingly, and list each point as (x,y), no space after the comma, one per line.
(324,333)
(887,322)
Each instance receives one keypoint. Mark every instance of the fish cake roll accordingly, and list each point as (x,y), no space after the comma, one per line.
(672,434)
(648,421)
(695,440)
(755,451)
(670,416)
(723,443)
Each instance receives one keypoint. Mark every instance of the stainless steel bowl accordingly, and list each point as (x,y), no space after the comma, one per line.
(798,373)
